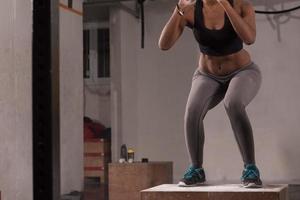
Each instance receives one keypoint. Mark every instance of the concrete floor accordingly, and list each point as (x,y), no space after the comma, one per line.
(93,190)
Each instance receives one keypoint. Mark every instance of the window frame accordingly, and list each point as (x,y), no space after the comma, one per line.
(93,78)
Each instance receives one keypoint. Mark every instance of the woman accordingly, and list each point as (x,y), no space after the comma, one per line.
(225,72)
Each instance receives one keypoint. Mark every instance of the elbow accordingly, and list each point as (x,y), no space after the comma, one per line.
(249,42)
(250,39)
(163,47)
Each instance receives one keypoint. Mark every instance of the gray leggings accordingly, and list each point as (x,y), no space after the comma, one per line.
(237,89)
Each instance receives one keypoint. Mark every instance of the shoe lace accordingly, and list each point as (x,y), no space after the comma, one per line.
(250,173)
(190,173)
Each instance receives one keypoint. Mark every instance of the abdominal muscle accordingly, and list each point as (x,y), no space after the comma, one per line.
(224,65)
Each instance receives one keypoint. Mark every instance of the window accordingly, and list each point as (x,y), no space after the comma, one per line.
(96,54)
(86,48)
(103,53)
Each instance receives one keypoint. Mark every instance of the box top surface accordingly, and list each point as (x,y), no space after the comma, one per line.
(141,163)
(216,188)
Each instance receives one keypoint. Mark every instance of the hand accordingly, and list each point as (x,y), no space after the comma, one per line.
(183,3)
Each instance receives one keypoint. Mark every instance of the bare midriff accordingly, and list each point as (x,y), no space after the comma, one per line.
(224,65)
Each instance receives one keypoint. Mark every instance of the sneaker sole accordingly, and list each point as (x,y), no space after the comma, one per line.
(252,185)
(182,184)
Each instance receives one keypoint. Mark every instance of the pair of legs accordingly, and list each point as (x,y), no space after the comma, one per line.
(237,90)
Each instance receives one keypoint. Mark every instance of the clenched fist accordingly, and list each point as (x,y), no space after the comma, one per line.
(184,3)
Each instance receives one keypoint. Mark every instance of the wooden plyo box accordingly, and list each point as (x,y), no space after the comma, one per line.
(215,192)
(96,146)
(96,159)
(97,155)
(126,180)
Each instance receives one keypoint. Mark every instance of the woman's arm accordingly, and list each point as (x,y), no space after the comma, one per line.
(172,31)
(174,27)
(244,25)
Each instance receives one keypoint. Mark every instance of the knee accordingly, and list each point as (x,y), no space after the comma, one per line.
(233,106)
(193,112)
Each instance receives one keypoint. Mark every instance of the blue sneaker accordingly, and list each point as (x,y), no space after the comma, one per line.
(251,177)
(192,177)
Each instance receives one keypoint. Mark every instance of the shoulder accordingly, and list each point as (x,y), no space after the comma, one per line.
(243,6)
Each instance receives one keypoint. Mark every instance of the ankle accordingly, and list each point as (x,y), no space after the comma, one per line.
(196,166)
(246,165)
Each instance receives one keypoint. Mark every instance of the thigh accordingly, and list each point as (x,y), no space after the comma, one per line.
(244,86)
(205,92)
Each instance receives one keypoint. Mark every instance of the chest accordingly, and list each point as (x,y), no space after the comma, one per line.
(212,25)
(213,18)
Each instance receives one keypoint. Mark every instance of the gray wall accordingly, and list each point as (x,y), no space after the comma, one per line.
(151,89)
(71,99)
(15,100)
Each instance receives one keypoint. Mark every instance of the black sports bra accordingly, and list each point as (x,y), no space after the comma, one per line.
(219,42)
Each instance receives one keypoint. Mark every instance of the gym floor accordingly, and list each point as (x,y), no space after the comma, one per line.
(93,190)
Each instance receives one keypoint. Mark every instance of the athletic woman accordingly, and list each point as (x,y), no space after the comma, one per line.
(225,72)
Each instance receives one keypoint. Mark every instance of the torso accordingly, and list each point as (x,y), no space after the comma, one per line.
(218,65)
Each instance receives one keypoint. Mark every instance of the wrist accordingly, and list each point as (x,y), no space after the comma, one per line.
(179,9)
